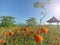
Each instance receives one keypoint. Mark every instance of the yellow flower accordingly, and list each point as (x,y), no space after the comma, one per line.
(16,44)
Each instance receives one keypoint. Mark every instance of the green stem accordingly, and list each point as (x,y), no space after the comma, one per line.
(40,23)
(41,43)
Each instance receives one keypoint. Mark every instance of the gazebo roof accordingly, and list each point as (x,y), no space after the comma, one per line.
(53,19)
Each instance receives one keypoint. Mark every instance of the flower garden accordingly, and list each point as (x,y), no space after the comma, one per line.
(25,36)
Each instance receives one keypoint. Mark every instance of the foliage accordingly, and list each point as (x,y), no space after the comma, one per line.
(42,5)
(32,22)
(7,21)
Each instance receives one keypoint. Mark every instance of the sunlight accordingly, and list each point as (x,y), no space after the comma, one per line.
(56,8)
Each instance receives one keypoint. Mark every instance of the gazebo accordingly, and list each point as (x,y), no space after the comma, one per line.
(53,20)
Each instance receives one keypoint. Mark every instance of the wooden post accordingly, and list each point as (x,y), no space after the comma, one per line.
(57,25)
(49,24)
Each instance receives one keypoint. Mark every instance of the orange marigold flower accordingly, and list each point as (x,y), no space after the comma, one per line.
(25,28)
(17,31)
(5,33)
(4,41)
(38,32)
(11,33)
(57,38)
(31,32)
(44,30)
(14,40)
(38,38)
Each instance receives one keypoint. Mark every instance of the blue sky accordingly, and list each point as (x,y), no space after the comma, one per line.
(24,9)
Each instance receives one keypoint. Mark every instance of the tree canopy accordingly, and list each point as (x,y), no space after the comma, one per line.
(6,21)
(32,21)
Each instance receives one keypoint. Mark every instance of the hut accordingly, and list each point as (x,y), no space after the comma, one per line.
(53,20)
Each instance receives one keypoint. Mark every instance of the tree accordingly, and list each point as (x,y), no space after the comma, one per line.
(7,21)
(42,5)
(32,22)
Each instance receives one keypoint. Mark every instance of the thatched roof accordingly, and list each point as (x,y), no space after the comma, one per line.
(53,19)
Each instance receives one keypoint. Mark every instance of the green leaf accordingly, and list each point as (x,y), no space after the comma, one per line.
(37,4)
(48,1)
(42,6)
(42,12)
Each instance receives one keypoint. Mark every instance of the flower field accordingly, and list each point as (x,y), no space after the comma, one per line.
(26,22)
(27,36)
